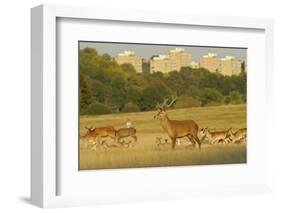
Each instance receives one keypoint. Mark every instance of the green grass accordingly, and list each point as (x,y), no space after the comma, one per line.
(146,154)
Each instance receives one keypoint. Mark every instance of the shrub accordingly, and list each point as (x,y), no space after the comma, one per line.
(131,107)
(187,101)
(210,95)
(244,98)
(97,109)
(213,103)
(235,97)
(227,99)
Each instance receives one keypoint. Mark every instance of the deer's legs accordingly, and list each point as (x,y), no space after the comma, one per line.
(197,141)
(174,141)
(119,142)
(98,142)
(191,138)
(135,140)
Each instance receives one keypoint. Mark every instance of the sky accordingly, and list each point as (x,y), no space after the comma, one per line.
(147,50)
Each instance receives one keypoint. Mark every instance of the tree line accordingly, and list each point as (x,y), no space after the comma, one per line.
(106,87)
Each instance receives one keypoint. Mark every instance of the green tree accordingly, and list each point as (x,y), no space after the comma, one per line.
(100,91)
(186,102)
(97,109)
(176,83)
(85,95)
(128,68)
(118,98)
(210,94)
(131,107)
(158,75)
(235,97)
(227,99)
(193,91)
(152,95)
(133,94)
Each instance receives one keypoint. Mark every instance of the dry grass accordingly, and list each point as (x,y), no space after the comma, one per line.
(146,154)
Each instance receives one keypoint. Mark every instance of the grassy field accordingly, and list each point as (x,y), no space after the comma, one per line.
(146,153)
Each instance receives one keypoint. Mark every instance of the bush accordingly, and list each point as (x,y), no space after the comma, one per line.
(97,109)
(187,101)
(210,95)
(131,107)
(235,97)
(213,103)
(244,98)
(227,99)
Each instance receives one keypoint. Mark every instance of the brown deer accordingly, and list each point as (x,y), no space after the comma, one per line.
(177,128)
(124,133)
(238,136)
(161,143)
(93,136)
(216,136)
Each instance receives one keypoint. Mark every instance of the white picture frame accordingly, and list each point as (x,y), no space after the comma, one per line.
(44,153)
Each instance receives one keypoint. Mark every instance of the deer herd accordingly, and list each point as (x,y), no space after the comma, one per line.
(180,132)
(96,137)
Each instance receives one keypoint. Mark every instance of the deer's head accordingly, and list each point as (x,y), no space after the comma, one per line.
(89,129)
(161,108)
(205,132)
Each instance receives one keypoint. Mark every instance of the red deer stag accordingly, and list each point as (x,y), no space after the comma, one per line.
(177,128)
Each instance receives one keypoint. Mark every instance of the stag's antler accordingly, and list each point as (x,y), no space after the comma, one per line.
(158,106)
(173,99)
(165,104)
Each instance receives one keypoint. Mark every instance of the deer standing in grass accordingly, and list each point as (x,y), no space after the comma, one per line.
(239,136)
(177,128)
(97,133)
(216,137)
(125,133)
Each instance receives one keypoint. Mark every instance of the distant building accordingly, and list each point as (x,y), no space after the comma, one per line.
(130,58)
(160,63)
(226,66)
(210,62)
(173,61)
(194,65)
(179,58)
(229,66)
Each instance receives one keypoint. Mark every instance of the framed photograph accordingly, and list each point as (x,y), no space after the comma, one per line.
(129,106)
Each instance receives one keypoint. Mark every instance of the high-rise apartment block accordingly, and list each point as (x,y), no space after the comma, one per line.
(160,63)
(230,66)
(178,58)
(210,62)
(130,58)
(173,61)
(225,66)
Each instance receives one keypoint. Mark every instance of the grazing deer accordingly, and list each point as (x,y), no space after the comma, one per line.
(177,128)
(238,136)
(216,136)
(124,133)
(160,143)
(93,136)
(89,129)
